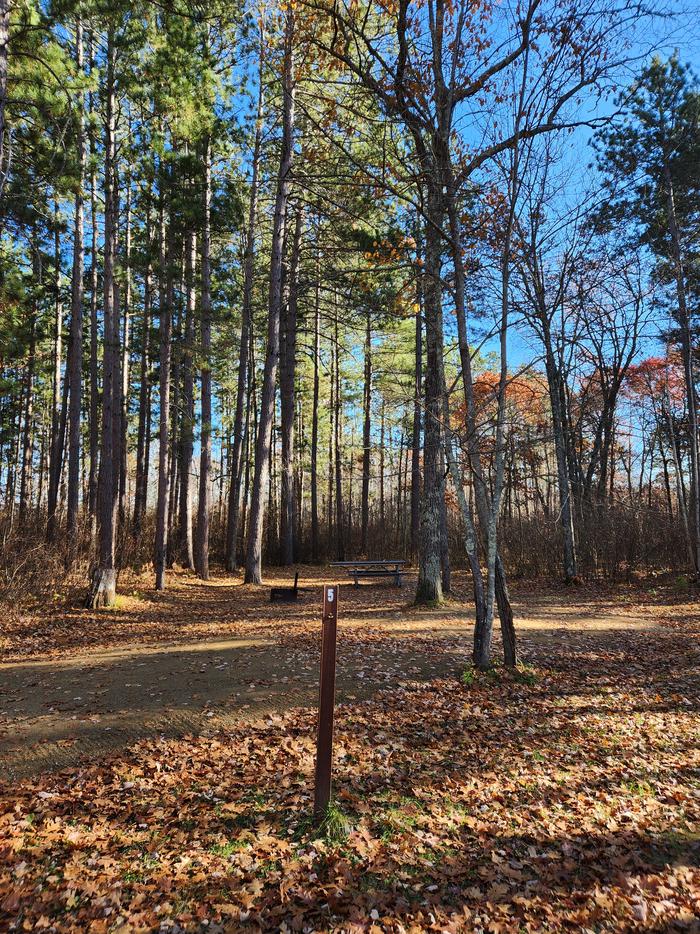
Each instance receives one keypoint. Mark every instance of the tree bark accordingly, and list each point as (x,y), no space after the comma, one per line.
(75,347)
(56,445)
(429,588)
(27,440)
(103,590)
(288,347)
(204,505)
(165,326)
(261,476)
(315,545)
(240,422)
(366,437)
(339,511)
(144,425)
(687,355)
(125,362)
(5,151)
(94,341)
(416,431)
(186,446)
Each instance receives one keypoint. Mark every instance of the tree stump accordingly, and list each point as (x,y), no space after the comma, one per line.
(103,589)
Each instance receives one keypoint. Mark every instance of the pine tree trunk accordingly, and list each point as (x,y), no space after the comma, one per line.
(104,582)
(166,318)
(94,363)
(75,347)
(262,449)
(315,545)
(288,346)
(240,422)
(125,363)
(204,505)
(366,436)
(56,446)
(27,440)
(687,355)
(5,152)
(339,514)
(186,447)
(143,431)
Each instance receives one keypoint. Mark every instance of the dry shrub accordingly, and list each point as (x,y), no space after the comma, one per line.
(613,541)
(32,568)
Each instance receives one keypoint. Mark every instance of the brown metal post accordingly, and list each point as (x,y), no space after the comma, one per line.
(326,701)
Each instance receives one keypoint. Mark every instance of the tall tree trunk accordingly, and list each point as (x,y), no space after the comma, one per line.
(415,433)
(429,588)
(471,545)
(253,572)
(446,568)
(27,440)
(315,545)
(56,446)
(564,482)
(165,326)
(288,348)
(366,436)
(240,422)
(143,431)
(186,447)
(125,361)
(339,514)
(94,363)
(103,590)
(5,150)
(687,355)
(75,346)
(204,505)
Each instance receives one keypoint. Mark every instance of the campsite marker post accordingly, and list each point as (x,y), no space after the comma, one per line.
(326,701)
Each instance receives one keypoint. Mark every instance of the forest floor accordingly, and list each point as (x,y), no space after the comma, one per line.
(158,760)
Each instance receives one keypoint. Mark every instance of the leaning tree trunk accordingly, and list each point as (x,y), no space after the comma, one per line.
(253,571)
(499,590)
(204,505)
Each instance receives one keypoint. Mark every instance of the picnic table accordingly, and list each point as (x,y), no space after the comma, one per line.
(388,567)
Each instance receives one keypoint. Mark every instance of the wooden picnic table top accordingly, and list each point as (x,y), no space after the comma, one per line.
(368,564)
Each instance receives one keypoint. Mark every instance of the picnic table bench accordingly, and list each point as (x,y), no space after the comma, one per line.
(390,567)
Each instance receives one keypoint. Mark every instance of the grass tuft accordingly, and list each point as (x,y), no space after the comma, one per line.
(335,826)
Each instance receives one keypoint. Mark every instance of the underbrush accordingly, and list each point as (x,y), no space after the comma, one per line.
(34,569)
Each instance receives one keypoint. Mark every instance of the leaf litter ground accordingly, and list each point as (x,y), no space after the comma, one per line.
(565,796)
